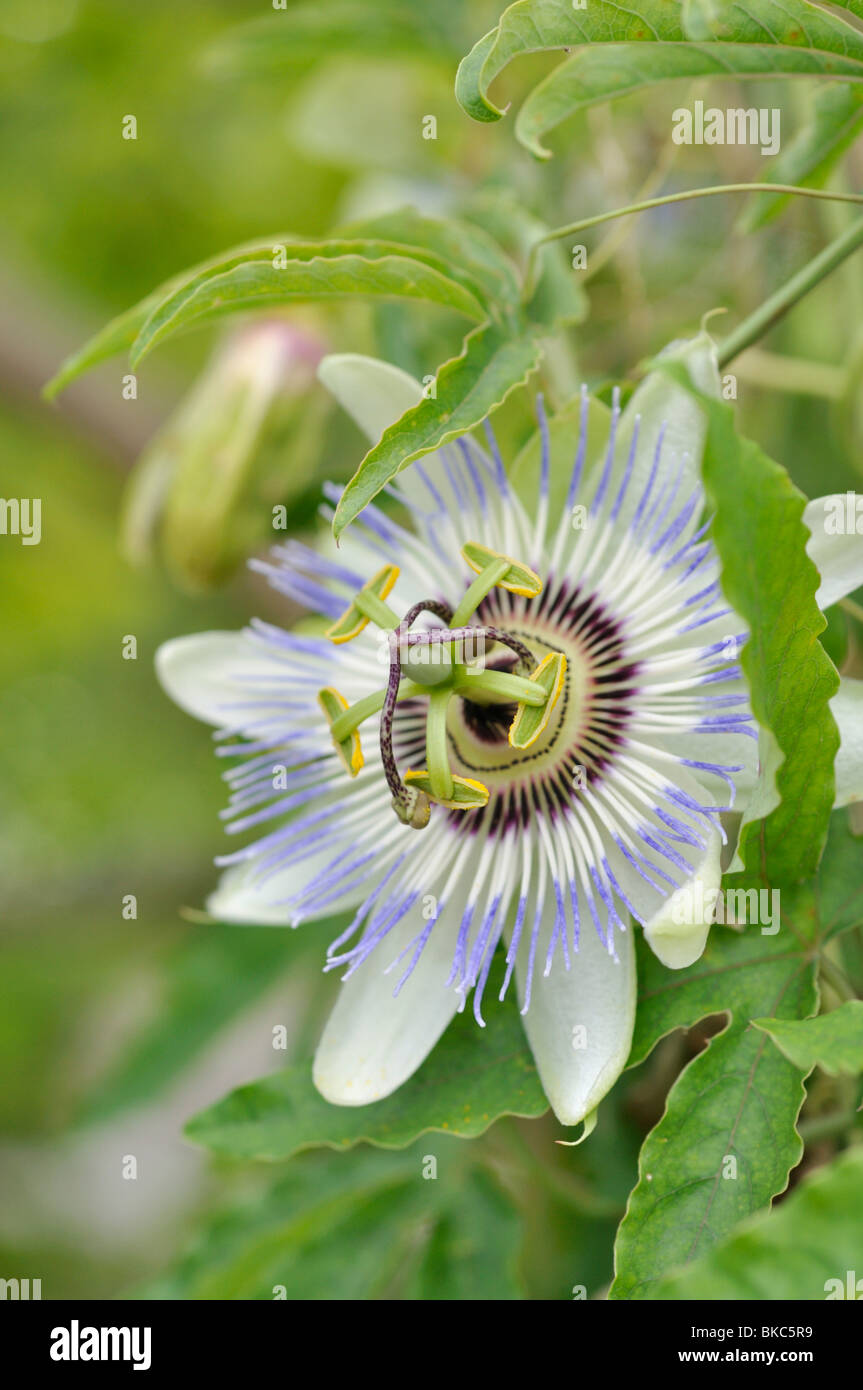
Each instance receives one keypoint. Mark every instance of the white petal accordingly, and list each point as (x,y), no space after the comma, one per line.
(239,681)
(243,896)
(203,674)
(677,932)
(763,797)
(847,708)
(724,750)
(662,404)
(373,1042)
(839,557)
(596,994)
(374,393)
(239,899)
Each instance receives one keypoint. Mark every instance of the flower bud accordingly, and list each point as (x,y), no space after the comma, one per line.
(242,440)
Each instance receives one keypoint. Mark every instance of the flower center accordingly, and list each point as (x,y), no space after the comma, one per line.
(488,688)
(478,732)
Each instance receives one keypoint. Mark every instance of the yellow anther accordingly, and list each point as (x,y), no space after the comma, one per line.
(532,720)
(518,579)
(368,605)
(467,795)
(349,748)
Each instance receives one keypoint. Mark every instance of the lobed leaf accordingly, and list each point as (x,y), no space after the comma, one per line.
(119,335)
(533,26)
(833,1042)
(608,72)
(740,1097)
(770,581)
(472,1078)
(472,256)
(620,49)
(802,1250)
(492,363)
(312,270)
(727,1140)
(363,1226)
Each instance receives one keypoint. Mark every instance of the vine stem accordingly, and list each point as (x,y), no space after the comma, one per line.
(791,293)
(826,1126)
(836,978)
(686,196)
(853,608)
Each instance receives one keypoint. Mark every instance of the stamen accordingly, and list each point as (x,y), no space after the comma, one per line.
(348,748)
(465,794)
(432,658)
(532,720)
(355,714)
(493,568)
(498,688)
(440,776)
(368,606)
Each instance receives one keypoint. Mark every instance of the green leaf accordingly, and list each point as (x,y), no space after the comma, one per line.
(119,335)
(188,296)
(833,1042)
(840,885)
(805,1249)
(363,1226)
(468,82)
(669,999)
(473,256)
(471,1252)
(534,26)
(736,1103)
(700,18)
(739,1098)
(836,121)
(559,299)
(468,388)
(771,582)
(311,270)
(471,1078)
(298,1233)
(620,50)
(680,998)
(606,73)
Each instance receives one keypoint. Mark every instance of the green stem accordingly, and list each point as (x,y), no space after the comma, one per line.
(794,374)
(836,978)
(370,704)
(853,608)
(440,776)
(791,293)
(827,1126)
(499,688)
(687,195)
(482,585)
(376,610)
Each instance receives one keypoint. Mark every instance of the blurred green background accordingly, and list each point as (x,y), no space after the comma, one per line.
(114,1030)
